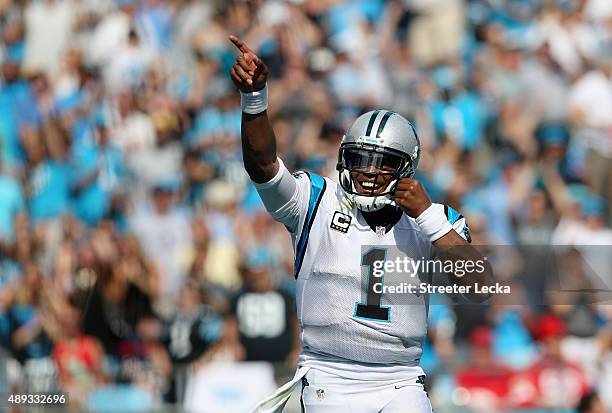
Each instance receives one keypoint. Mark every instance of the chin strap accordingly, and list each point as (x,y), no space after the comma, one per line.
(392,203)
(369,203)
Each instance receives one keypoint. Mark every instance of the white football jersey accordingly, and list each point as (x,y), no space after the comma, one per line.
(332,244)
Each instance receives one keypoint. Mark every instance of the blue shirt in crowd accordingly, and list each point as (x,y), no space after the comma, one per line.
(11,204)
(50,186)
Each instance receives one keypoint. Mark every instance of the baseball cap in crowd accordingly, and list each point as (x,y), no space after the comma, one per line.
(170,184)
(259,258)
(221,194)
(549,326)
(553,134)
(481,337)
(446,77)
(593,205)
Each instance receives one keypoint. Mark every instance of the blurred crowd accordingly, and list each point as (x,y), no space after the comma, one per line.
(134,249)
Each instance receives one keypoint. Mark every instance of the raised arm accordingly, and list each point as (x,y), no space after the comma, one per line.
(250,74)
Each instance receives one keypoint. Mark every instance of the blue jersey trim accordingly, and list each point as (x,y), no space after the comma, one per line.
(317,188)
(452,215)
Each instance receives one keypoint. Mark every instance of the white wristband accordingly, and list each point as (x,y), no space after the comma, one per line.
(254,102)
(433,223)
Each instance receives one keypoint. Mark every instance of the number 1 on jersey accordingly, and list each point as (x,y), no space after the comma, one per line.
(372,309)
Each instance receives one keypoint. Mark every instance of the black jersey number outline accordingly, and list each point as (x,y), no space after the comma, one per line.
(371,309)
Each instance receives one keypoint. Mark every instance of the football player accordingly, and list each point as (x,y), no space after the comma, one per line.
(357,355)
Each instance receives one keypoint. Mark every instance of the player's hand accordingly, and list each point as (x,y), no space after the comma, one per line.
(249,73)
(411,197)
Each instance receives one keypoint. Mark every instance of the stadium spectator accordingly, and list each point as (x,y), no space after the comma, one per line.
(12,204)
(551,381)
(486,382)
(264,313)
(164,232)
(78,357)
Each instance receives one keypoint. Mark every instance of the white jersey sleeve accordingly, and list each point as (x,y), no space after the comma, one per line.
(291,198)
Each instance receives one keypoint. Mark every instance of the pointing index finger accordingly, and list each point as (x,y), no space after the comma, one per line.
(240,44)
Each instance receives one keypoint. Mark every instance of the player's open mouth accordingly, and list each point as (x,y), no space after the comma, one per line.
(370,187)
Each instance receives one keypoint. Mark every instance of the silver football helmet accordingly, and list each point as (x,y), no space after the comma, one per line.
(379,142)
